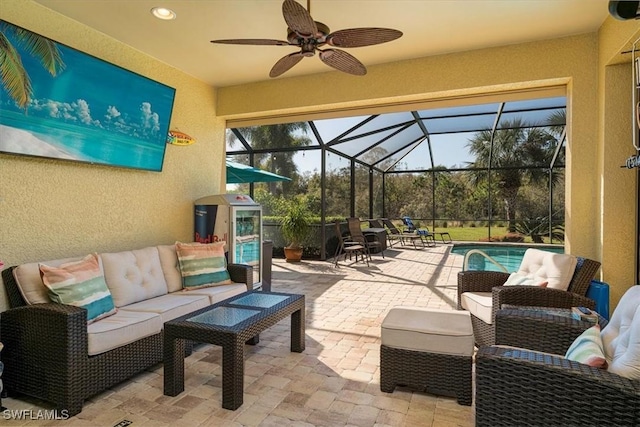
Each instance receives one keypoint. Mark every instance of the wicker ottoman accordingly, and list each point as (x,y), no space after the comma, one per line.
(427,349)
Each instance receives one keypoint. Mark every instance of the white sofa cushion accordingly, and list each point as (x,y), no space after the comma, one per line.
(621,336)
(479,304)
(134,276)
(170,267)
(30,282)
(122,328)
(170,306)
(428,330)
(220,292)
(544,266)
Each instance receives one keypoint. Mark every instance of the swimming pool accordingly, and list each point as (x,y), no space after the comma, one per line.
(508,254)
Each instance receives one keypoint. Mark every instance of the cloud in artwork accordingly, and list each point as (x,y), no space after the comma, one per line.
(145,124)
(150,120)
(78,111)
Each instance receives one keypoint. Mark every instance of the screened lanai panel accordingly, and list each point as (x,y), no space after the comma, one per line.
(533,104)
(383,121)
(329,129)
(393,144)
(452,150)
(337,186)
(233,143)
(531,118)
(414,157)
(273,137)
(362,191)
(461,111)
(366,142)
(377,195)
(458,124)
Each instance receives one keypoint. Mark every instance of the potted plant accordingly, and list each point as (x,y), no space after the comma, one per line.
(295,227)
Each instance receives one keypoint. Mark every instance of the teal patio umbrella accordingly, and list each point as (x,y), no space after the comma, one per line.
(237,173)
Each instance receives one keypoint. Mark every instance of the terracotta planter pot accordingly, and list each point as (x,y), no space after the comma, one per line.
(293,254)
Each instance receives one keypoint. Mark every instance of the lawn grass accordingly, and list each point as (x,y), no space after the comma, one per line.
(472,234)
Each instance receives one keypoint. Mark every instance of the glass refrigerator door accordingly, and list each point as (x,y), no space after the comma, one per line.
(247,238)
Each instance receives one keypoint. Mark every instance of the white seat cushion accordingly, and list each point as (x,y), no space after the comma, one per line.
(122,328)
(170,306)
(479,304)
(220,292)
(428,330)
(134,276)
(544,266)
(621,336)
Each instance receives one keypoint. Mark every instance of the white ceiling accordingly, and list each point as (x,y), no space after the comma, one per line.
(430,27)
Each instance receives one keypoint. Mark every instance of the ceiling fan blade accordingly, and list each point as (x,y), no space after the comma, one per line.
(285,63)
(260,42)
(299,19)
(342,61)
(358,37)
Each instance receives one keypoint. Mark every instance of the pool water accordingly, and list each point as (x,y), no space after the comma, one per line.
(248,253)
(508,255)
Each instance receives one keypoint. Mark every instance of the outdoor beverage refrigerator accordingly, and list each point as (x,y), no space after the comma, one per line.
(237,220)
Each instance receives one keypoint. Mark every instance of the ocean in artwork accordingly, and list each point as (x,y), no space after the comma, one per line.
(89,111)
(55,139)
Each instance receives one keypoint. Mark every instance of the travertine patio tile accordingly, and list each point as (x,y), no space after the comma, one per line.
(328,419)
(390,418)
(334,382)
(364,415)
(253,416)
(355,397)
(320,400)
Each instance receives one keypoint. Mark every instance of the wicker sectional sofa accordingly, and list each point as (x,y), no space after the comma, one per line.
(50,352)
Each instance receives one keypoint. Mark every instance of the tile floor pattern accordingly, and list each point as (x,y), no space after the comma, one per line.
(334,382)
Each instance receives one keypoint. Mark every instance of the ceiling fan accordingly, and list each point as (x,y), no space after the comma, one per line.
(310,35)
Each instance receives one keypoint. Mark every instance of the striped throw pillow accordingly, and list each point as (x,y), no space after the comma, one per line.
(588,349)
(202,265)
(80,284)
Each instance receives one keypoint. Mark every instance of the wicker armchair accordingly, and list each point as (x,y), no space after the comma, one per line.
(502,296)
(519,386)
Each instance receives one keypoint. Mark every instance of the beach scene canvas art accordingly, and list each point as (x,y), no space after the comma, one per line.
(58,102)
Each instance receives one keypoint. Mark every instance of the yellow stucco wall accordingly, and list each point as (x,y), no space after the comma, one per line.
(617,193)
(52,209)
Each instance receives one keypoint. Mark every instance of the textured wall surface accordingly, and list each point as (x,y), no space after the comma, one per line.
(52,209)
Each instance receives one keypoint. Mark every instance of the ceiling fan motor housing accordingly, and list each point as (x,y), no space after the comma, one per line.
(319,39)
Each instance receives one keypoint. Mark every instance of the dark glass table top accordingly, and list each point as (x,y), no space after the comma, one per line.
(236,310)
(223,316)
(258,299)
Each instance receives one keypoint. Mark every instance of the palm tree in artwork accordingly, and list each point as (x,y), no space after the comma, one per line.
(515,147)
(13,75)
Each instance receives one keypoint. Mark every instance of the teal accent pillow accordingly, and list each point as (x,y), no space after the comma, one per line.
(588,349)
(202,265)
(80,284)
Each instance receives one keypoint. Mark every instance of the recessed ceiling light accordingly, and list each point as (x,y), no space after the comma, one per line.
(163,13)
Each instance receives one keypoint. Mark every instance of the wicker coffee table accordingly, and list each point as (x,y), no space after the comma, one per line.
(230,324)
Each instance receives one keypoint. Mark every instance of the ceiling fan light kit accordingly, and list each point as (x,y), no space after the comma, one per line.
(309,35)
